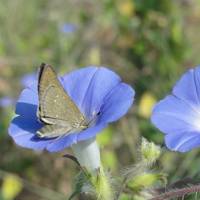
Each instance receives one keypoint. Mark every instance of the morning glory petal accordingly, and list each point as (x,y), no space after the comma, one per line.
(172,115)
(64,142)
(117,103)
(23,130)
(101,84)
(88,87)
(188,87)
(68,28)
(183,142)
(27,103)
(77,82)
(28,79)
(61,143)
(6,102)
(91,131)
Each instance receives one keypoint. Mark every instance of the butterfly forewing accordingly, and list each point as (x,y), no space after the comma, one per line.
(56,109)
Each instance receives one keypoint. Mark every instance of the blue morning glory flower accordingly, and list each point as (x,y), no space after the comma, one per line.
(6,102)
(28,79)
(68,28)
(178,115)
(93,89)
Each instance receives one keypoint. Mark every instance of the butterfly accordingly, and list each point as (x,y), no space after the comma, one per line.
(56,109)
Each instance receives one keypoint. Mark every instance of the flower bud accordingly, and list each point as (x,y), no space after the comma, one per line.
(150,152)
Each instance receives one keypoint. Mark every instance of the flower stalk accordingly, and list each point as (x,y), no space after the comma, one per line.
(88,154)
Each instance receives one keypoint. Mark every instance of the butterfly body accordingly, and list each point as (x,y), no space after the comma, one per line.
(56,110)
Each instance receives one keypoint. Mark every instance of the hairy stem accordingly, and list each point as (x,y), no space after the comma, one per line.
(178,192)
(121,188)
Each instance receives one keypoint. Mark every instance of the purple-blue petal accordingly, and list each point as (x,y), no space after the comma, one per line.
(68,28)
(28,79)
(188,87)
(172,115)
(101,84)
(6,102)
(23,130)
(183,142)
(89,86)
(27,103)
(91,132)
(61,143)
(116,103)
(77,82)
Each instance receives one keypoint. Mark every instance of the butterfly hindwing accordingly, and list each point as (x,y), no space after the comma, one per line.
(50,131)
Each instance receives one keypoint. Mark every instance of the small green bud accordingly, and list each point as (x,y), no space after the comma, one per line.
(149,152)
(145,180)
(102,186)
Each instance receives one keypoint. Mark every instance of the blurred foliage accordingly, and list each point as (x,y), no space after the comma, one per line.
(146,104)
(149,43)
(11,187)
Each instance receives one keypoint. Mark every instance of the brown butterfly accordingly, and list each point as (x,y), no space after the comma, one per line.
(56,110)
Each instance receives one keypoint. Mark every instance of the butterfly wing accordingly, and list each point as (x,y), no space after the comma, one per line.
(51,131)
(56,108)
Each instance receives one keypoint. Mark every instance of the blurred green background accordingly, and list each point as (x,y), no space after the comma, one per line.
(150,43)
